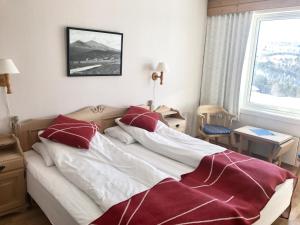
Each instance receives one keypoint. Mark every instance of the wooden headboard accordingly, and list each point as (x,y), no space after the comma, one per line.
(27,131)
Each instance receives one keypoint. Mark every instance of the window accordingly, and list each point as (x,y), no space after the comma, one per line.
(273,73)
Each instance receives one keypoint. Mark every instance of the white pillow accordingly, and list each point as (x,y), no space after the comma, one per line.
(41,149)
(120,134)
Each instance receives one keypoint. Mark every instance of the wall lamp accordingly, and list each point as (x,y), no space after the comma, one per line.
(161,68)
(7,67)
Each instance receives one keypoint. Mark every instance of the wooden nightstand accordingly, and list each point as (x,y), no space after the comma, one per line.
(172,118)
(12,180)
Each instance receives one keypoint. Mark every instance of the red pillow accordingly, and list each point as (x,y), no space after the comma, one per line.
(140,117)
(68,131)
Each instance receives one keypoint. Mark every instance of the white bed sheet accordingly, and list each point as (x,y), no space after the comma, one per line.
(55,212)
(167,165)
(74,201)
(84,210)
(173,144)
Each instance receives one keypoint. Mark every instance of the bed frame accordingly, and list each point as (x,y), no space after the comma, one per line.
(104,116)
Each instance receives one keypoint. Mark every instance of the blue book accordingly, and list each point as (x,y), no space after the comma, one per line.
(261,132)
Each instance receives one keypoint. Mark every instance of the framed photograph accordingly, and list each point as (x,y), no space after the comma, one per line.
(94,52)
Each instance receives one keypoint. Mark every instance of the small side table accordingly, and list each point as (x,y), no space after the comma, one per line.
(281,143)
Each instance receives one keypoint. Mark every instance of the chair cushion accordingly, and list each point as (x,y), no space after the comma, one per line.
(215,129)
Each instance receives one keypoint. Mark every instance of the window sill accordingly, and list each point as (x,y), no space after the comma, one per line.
(294,120)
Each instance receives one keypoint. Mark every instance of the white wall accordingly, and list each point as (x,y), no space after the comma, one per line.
(33,35)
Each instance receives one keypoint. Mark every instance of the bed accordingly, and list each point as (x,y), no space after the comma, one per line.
(55,195)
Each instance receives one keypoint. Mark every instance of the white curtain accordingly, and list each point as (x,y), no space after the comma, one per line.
(225,48)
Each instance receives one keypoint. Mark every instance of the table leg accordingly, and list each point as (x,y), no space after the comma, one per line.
(235,139)
(272,153)
(229,141)
(270,157)
(240,148)
(249,144)
(279,160)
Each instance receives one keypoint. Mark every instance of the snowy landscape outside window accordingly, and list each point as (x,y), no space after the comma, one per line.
(274,81)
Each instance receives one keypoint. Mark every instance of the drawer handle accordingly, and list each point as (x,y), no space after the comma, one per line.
(177,125)
(2,167)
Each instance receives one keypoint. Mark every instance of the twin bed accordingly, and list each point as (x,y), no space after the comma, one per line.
(64,203)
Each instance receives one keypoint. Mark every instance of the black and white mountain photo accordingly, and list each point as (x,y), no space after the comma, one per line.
(94,53)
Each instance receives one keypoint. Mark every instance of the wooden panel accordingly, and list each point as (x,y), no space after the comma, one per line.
(222,10)
(220,7)
(270,4)
(104,116)
(220,3)
(12,190)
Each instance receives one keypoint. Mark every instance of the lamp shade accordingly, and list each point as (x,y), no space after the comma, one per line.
(162,67)
(7,66)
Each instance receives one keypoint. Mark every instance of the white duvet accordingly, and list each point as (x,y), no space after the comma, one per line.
(104,172)
(109,175)
(173,144)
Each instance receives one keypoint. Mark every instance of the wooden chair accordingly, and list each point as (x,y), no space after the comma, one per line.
(214,122)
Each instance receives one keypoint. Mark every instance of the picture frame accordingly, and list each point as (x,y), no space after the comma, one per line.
(94,52)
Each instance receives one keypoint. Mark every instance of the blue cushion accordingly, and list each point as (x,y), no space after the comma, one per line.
(215,129)
(298,155)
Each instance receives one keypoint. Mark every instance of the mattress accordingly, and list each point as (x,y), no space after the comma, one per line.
(83,210)
(55,212)
(43,181)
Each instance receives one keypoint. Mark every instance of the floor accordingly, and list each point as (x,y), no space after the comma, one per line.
(34,215)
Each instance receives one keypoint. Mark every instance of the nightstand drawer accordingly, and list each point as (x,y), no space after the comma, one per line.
(177,124)
(12,190)
(10,165)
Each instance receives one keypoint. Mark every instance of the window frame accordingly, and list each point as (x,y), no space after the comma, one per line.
(249,65)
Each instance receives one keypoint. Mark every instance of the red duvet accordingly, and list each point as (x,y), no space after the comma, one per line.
(226,189)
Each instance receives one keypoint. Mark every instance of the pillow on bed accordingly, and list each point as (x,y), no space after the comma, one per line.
(41,149)
(120,134)
(71,132)
(140,117)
